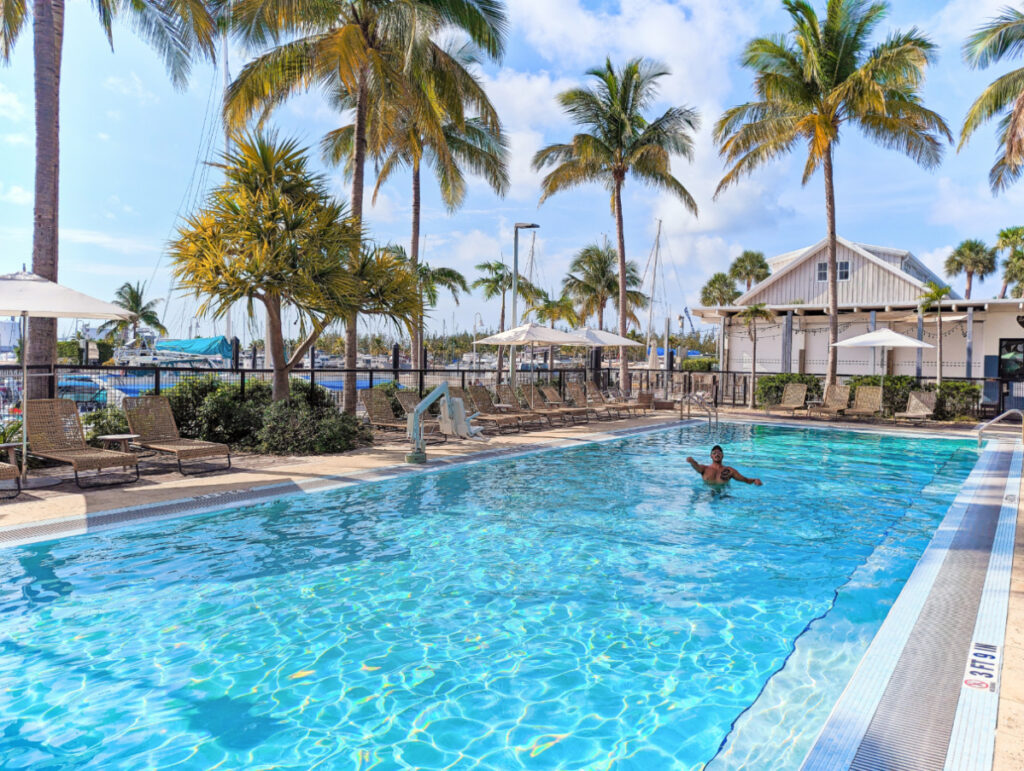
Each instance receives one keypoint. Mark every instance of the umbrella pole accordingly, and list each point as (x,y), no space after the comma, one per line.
(24,396)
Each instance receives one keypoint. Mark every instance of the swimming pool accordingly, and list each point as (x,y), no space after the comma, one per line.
(597,607)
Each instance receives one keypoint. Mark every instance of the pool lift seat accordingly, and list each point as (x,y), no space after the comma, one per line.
(452,418)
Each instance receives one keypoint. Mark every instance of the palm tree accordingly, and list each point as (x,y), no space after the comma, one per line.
(270,234)
(750,316)
(593,280)
(812,82)
(1001,37)
(431,280)
(617,141)
(175,30)
(720,290)
(972,258)
(132,297)
(934,295)
(496,281)
(551,309)
(1011,241)
(750,267)
(401,136)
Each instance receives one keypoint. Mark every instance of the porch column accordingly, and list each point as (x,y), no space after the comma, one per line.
(920,336)
(970,339)
(872,325)
(787,344)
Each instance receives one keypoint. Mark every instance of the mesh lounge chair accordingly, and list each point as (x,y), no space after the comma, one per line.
(431,428)
(503,424)
(617,401)
(579,398)
(555,400)
(508,396)
(485,404)
(152,419)
(920,406)
(55,432)
(537,401)
(9,471)
(837,399)
(794,397)
(378,408)
(867,402)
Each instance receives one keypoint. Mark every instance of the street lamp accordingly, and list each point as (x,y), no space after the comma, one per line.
(515,289)
(476,361)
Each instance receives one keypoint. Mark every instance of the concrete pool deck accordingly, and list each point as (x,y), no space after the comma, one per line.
(161,492)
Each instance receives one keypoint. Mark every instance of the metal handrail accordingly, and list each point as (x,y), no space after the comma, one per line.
(981,430)
(691,399)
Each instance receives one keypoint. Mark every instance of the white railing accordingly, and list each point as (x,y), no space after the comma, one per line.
(982,429)
(698,399)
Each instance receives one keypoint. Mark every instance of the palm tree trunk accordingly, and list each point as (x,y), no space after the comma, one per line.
(624,384)
(275,346)
(348,400)
(414,257)
(1002,292)
(938,345)
(833,286)
(501,328)
(47,40)
(967,288)
(753,365)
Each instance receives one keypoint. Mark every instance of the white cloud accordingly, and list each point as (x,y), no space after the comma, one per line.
(972,209)
(122,244)
(103,137)
(132,87)
(17,139)
(11,107)
(959,18)
(116,206)
(15,195)
(935,258)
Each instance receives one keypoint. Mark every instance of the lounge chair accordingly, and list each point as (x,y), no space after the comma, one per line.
(645,401)
(794,397)
(485,404)
(579,398)
(503,424)
(379,410)
(9,471)
(617,401)
(555,400)
(152,419)
(508,396)
(920,406)
(431,427)
(536,400)
(55,433)
(837,399)
(867,402)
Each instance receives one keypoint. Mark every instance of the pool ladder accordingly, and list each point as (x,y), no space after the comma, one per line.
(997,419)
(698,398)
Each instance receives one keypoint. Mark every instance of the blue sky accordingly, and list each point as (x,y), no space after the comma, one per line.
(132,146)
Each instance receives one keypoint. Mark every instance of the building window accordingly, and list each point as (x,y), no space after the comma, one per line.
(822,271)
(844,271)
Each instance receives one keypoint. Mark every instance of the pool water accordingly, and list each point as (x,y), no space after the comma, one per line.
(598,607)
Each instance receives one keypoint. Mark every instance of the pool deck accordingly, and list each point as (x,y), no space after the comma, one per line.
(161,493)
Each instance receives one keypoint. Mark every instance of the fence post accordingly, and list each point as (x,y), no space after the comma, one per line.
(156,381)
(52,382)
(371,378)
(241,383)
(420,382)
(463,374)
(312,377)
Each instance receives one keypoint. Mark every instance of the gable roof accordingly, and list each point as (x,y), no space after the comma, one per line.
(793,260)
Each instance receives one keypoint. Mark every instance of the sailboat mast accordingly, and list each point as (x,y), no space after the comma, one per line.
(654,277)
(225,23)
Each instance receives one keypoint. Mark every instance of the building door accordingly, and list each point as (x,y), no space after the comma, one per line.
(1011,373)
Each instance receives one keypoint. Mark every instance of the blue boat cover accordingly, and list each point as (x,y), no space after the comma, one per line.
(200,346)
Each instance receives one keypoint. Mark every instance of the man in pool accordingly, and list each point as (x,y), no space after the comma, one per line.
(716,473)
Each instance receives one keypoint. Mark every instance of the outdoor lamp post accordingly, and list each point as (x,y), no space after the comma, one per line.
(515,289)
(476,316)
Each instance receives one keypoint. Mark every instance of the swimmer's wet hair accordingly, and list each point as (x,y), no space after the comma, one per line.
(719,448)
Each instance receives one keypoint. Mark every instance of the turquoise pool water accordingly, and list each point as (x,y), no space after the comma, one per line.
(591,608)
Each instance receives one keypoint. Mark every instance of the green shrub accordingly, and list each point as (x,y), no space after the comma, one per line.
(293,427)
(224,416)
(186,398)
(770,387)
(698,364)
(895,389)
(109,420)
(956,399)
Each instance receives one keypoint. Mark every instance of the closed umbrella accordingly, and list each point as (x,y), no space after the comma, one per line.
(30,296)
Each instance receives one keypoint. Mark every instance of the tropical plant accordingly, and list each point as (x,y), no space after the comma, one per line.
(593,280)
(750,315)
(1011,241)
(720,290)
(816,79)
(618,141)
(132,297)
(971,258)
(270,234)
(1001,37)
(750,267)
(934,294)
(431,281)
(496,281)
(175,30)
(548,309)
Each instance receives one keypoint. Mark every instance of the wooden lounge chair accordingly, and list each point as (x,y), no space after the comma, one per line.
(837,399)
(503,424)
(579,398)
(508,396)
(555,400)
(484,402)
(867,402)
(920,406)
(794,397)
(55,432)
(9,471)
(152,419)
(536,400)
(645,401)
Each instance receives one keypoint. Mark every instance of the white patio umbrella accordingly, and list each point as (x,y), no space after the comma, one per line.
(600,339)
(882,338)
(30,296)
(531,334)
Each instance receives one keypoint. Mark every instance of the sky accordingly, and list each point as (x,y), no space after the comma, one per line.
(132,152)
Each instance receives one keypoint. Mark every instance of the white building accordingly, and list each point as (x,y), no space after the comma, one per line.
(877,287)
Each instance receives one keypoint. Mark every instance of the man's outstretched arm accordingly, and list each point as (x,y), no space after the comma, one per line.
(734,474)
(696,466)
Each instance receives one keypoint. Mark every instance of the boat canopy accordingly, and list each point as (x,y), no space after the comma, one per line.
(198,346)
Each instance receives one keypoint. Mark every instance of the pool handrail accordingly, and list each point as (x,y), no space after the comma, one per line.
(981,429)
(698,399)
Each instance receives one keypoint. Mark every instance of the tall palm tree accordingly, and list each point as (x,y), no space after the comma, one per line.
(399,135)
(934,295)
(719,290)
(431,281)
(496,281)
(750,316)
(617,141)
(971,258)
(593,280)
(175,30)
(750,267)
(1002,36)
(816,79)
(1011,241)
(552,309)
(132,297)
